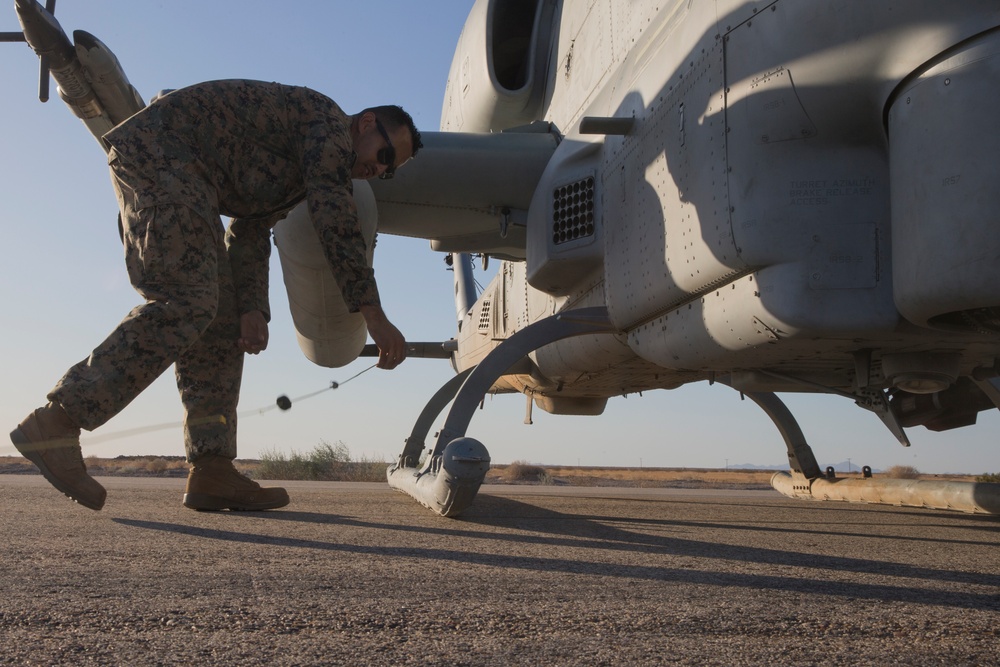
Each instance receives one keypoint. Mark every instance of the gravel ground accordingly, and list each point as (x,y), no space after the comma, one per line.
(357,574)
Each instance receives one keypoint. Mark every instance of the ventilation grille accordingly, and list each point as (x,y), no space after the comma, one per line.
(573,211)
(484,316)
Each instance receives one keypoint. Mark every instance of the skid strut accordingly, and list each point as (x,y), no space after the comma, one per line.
(455,468)
(801,459)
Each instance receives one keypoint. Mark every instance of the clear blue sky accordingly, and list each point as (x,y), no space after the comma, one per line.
(63,285)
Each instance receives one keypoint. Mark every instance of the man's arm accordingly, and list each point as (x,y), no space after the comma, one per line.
(326,165)
(248,244)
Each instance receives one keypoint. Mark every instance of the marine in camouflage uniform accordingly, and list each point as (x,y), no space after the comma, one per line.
(250,151)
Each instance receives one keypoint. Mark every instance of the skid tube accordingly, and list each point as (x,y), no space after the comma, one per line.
(456,467)
(806,481)
(969,497)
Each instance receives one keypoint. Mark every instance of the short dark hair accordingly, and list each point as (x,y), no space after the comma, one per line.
(394,116)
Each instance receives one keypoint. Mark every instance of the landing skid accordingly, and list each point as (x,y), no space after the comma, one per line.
(970,497)
(456,467)
(805,480)
(454,470)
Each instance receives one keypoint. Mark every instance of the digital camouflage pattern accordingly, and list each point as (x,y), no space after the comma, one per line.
(244,149)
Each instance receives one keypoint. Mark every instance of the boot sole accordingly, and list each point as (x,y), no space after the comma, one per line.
(205,503)
(24,445)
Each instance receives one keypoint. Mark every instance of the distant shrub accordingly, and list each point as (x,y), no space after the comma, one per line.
(157,466)
(989,477)
(325,462)
(521,471)
(902,472)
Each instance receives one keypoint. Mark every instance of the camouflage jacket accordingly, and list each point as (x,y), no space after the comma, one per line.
(252,150)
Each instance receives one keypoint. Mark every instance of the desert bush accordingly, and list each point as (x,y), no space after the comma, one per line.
(325,462)
(989,477)
(521,471)
(157,466)
(902,472)
(364,470)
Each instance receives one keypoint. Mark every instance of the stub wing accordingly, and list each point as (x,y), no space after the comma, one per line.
(467,192)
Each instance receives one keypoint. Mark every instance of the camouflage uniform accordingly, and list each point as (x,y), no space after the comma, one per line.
(245,149)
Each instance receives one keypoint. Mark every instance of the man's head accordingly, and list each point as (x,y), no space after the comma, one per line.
(384,138)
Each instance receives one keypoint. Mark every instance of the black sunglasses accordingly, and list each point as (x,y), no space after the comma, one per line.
(387,155)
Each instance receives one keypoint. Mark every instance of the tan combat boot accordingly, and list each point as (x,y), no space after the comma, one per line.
(49,439)
(215,484)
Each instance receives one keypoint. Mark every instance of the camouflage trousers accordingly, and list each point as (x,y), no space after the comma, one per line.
(176,260)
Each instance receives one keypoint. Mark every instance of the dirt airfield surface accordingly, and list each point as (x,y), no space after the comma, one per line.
(358,574)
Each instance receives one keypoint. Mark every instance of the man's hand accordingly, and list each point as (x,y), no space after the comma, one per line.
(390,342)
(253,332)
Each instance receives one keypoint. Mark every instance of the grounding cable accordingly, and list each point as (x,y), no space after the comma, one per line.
(282,402)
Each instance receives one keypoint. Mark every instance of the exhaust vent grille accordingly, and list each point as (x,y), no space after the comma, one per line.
(573,211)
(484,316)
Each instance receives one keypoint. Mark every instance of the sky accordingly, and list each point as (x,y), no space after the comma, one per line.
(63,285)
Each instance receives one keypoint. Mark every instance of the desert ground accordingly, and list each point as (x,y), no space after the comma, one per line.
(531,574)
